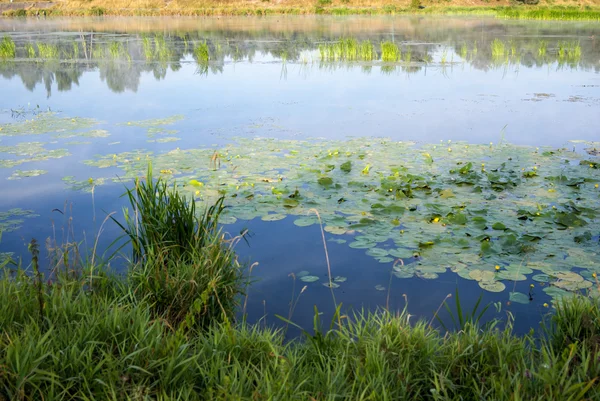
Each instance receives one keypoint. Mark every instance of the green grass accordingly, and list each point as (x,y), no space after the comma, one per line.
(7,48)
(180,263)
(347,49)
(390,52)
(103,341)
(554,13)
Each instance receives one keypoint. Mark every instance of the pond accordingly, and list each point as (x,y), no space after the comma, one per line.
(441,154)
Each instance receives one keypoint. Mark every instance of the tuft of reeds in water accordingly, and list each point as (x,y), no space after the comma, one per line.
(202,56)
(347,49)
(569,51)
(390,52)
(7,48)
(47,51)
(30,50)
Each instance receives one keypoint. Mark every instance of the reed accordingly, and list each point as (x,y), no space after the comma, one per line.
(390,52)
(7,48)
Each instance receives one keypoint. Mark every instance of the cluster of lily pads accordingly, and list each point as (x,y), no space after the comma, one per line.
(493,213)
(12,219)
(451,207)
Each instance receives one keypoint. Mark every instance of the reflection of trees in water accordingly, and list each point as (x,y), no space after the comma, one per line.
(121,59)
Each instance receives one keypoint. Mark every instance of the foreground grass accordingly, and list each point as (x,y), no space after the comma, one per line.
(96,338)
(165,330)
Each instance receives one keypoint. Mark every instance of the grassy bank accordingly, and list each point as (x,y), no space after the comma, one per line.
(166,330)
(587,10)
(105,341)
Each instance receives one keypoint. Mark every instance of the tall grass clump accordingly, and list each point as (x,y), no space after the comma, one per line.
(7,48)
(182,264)
(367,51)
(47,51)
(390,52)
(30,50)
(569,51)
(347,49)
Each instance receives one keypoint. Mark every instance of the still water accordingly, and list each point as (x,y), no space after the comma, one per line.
(130,88)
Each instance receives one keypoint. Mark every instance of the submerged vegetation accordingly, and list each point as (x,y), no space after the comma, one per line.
(165,330)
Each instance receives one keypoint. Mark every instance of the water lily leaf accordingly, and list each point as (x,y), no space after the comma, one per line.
(511,275)
(336,230)
(541,278)
(447,193)
(331,285)
(481,275)
(227,220)
(568,276)
(325,181)
(306,221)
(518,269)
(572,285)
(498,226)
(385,259)
(519,297)
(362,245)
(346,167)
(339,279)
(377,252)
(556,293)
(401,253)
(379,287)
(427,275)
(302,273)
(404,274)
(309,279)
(492,286)
(273,217)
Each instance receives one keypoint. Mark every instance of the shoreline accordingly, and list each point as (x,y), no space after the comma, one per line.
(559,13)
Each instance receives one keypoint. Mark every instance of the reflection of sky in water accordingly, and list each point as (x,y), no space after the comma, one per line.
(428,106)
(261,98)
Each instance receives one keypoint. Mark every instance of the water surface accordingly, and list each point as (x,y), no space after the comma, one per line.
(476,80)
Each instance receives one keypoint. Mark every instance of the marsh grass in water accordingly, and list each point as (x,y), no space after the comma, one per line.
(347,49)
(47,51)
(390,52)
(7,48)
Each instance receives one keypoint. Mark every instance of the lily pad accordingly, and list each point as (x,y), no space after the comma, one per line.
(492,286)
(519,297)
(309,279)
(273,217)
